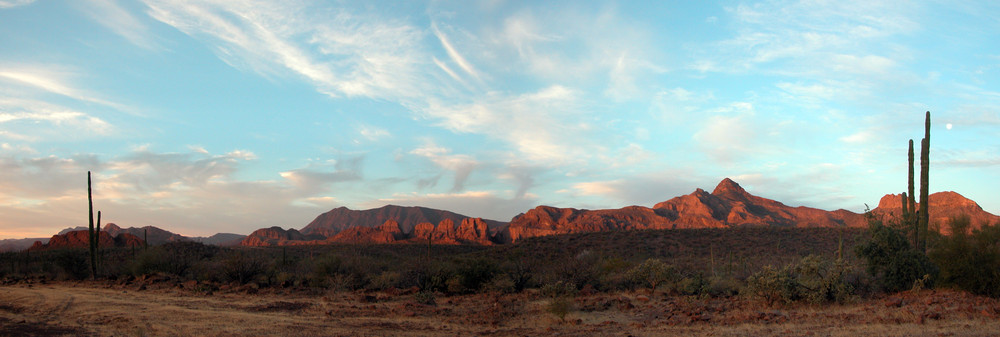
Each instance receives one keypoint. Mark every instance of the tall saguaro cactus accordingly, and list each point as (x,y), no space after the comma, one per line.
(911,204)
(93,235)
(97,242)
(925,149)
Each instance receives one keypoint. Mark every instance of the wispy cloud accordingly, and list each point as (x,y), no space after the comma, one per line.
(110,14)
(373,133)
(340,52)
(545,126)
(14,3)
(460,165)
(33,120)
(454,54)
(50,81)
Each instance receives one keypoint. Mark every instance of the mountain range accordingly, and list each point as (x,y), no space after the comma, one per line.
(727,206)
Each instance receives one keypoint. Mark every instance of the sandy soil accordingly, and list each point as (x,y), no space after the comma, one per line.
(101,309)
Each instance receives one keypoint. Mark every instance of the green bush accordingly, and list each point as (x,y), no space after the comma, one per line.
(385,280)
(821,281)
(425,297)
(559,289)
(772,285)
(560,307)
(72,263)
(970,262)
(891,261)
(472,275)
(242,267)
(652,273)
(812,279)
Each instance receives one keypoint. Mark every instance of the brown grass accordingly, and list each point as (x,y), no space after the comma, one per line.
(95,308)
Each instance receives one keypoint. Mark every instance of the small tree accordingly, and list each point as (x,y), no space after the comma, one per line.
(652,273)
(970,261)
(891,259)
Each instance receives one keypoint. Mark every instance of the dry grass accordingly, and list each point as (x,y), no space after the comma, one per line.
(74,309)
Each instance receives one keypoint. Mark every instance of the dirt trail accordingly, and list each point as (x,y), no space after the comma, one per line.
(92,309)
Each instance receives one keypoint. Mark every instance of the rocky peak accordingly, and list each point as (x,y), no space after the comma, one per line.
(730,190)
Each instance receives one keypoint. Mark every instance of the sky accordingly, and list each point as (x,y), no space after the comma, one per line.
(231,115)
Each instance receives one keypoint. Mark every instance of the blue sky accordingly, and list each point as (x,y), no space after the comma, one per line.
(227,116)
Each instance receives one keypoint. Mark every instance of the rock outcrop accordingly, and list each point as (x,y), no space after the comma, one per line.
(943,206)
(81,239)
(276,236)
(156,236)
(336,220)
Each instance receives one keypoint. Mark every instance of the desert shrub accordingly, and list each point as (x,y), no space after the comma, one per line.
(519,273)
(431,277)
(454,285)
(820,280)
(721,287)
(692,285)
(175,258)
(652,273)
(612,272)
(970,261)
(501,283)
(772,285)
(580,270)
(559,289)
(242,267)
(812,279)
(385,280)
(72,264)
(473,274)
(425,297)
(890,259)
(156,259)
(560,307)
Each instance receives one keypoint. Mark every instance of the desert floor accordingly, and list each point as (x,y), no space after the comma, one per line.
(107,309)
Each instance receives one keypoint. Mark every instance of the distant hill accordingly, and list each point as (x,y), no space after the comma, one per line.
(220,239)
(330,223)
(16,245)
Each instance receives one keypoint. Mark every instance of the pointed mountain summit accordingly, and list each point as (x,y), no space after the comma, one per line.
(729,189)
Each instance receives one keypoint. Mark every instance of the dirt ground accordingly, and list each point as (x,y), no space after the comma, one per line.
(105,309)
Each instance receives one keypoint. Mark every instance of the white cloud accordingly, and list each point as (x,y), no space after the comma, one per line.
(194,193)
(49,80)
(341,53)
(544,126)
(461,165)
(454,54)
(373,133)
(14,3)
(36,120)
(644,189)
(110,14)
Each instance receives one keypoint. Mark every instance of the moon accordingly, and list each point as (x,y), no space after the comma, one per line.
(947,126)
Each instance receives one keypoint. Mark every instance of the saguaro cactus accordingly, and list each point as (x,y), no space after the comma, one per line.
(911,208)
(93,235)
(925,161)
(97,242)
